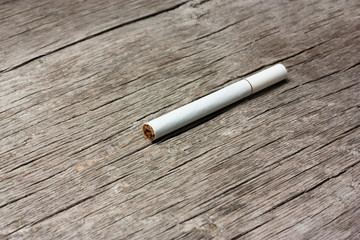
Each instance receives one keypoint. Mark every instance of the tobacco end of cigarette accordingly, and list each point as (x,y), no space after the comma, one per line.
(148,132)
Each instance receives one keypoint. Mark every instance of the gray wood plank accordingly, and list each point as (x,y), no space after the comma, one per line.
(74,163)
(32,29)
(328,211)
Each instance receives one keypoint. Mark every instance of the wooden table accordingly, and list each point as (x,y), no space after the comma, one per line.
(79,78)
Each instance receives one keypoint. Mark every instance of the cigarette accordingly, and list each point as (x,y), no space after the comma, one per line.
(208,104)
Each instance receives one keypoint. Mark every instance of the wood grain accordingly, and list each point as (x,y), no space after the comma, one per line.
(281,164)
(31,30)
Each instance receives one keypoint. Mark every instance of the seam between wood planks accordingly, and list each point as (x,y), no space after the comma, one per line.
(267,170)
(296,196)
(95,35)
(56,212)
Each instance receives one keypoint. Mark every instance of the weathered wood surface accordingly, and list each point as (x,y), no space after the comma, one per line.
(78,79)
(30,30)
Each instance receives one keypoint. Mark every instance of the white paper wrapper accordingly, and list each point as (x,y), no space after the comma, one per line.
(200,108)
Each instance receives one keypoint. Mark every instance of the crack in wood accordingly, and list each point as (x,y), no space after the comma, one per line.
(94,35)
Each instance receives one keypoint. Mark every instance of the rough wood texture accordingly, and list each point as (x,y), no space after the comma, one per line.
(78,79)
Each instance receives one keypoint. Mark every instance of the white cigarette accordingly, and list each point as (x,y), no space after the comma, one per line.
(200,108)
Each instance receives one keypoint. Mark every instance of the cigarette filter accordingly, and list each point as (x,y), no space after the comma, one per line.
(200,108)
